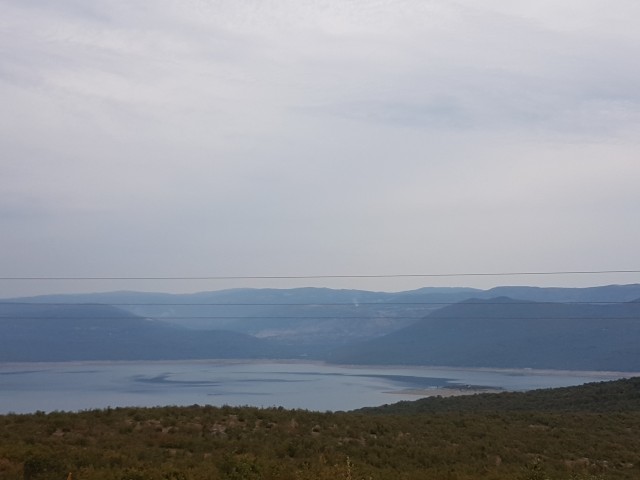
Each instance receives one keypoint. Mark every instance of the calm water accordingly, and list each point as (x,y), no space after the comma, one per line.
(313,386)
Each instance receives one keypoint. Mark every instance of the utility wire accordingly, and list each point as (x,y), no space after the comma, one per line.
(356,304)
(312,277)
(337,317)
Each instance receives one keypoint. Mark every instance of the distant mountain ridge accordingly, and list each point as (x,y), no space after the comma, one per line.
(576,328)
(319,316)
(507,333)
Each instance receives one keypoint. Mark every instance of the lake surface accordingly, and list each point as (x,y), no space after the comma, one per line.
(71,386)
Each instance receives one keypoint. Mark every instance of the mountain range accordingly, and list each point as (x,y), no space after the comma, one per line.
(575,328)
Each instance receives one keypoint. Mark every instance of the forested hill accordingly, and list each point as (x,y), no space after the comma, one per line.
(509,333)
(531,436)
(600,397)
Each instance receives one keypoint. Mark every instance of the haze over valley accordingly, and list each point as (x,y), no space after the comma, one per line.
(505,327)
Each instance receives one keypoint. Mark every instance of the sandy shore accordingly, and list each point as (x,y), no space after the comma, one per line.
(445,391)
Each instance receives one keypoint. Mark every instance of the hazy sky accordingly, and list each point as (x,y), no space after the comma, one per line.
(318,137)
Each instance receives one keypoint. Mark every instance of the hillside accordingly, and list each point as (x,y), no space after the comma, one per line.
(599,397)
(101,332)
(507,333)
(531,440)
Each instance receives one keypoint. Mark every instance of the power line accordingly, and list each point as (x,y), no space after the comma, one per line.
(356,304)
(316,277)
(330,317)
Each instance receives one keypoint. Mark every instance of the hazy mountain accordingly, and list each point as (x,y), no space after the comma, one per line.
(424,326)
(507,333)
(319,318)
(102,332)
(311,316)
(603,294)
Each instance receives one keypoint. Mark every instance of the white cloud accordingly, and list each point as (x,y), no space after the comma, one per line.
(316,136)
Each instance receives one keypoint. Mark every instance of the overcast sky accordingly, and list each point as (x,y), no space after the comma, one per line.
(318,137)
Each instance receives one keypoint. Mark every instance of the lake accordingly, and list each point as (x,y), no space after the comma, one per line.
(71,386)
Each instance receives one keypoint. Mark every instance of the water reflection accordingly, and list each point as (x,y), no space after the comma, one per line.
(313,386)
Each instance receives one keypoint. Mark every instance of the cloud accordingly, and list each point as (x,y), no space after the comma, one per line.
(316,136)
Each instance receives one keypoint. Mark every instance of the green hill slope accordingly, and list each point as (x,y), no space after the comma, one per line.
(600,397)
(531,440)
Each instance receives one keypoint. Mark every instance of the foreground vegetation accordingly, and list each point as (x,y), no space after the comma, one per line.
(533,436)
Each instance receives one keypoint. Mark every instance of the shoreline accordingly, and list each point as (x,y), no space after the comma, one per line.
(445,392)
(290,361)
